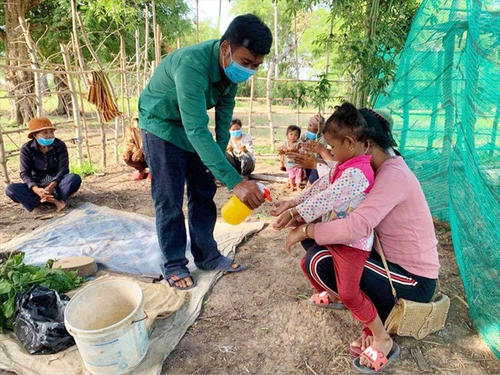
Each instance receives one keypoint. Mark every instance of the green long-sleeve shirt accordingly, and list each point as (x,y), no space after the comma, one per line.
(174,104)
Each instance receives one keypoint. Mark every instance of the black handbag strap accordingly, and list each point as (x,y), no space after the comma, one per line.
(384,261)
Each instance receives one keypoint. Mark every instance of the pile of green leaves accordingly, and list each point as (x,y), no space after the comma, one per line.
(16,277)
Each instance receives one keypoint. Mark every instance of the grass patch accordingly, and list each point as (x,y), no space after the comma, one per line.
(85,170)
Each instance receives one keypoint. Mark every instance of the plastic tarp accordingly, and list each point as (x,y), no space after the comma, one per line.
(124,242)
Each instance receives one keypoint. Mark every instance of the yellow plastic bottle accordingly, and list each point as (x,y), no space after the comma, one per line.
(235,211)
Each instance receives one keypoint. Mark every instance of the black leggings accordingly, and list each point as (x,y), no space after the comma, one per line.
(374,282)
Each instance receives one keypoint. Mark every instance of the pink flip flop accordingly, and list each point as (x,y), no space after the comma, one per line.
(323,300)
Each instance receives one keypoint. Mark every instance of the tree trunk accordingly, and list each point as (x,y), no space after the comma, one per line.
(19,83)
(64,104)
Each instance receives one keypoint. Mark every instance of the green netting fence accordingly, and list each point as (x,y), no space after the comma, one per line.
(445,102)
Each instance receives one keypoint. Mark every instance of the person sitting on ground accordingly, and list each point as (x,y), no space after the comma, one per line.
(312,139)
(290,145)
(134,154)
(239,151)
(44,169)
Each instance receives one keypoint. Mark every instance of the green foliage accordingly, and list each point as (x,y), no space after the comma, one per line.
(50,24)
(17,277)
(86,169)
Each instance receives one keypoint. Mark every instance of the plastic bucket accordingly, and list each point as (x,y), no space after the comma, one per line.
(108,322)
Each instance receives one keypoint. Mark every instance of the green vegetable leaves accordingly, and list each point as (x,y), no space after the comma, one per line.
(17,277)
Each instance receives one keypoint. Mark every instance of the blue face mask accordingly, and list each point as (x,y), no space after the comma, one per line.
(236,133)
(237,73)
(45,141)
(311,135)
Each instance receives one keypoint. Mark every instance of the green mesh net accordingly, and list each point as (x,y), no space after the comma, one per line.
(445,104)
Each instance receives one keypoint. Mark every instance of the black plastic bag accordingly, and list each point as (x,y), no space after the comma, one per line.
(39,321)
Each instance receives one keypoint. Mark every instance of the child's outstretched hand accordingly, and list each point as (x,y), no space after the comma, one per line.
(287,219)
(280,207)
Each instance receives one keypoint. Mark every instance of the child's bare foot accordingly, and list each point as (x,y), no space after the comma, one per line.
(60,205)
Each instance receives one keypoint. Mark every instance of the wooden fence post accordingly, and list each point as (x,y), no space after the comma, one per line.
(269,106)
(252,83)
(35,65)
(138,63)
(74,102)
(3,160)
(146,43)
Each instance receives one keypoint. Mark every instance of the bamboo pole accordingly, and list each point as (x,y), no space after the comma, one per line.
(197,22)
(269,107)
(76,43)
(296,66)
(34,64)
(93,53)
(82,99)
(116,132)
(123,59)
(276,69)
(103,140)
(74,102)
(138,63)
(146,43)
(3,160)
(155,33)
(252,83)
(179,43)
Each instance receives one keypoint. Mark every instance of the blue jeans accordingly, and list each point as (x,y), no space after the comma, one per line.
(20,193)
(171,168)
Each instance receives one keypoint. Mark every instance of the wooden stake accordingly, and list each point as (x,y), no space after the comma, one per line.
(146,43)
(156,36)
(138,63)
(74,102)
(123,62)
(197,22)
(3,160)
(296,66)
(269,107)
(116,136)
(252,83)
(103,139)
(35,64)
(276,69)
(82,101)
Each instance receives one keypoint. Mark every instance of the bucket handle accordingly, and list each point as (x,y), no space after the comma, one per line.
(140,320)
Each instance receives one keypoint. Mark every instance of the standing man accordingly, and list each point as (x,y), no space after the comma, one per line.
(181,150)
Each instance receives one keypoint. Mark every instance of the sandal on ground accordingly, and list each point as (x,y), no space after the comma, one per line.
(225,264)
(377,359)
(323,300)
(355,350)
(180,276)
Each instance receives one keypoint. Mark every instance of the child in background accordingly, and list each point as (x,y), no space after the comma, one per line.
(291,144)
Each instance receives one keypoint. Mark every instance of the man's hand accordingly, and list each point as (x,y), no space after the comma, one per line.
(44,195)
(243,148)
(229,148)
(50,187)
(249,193)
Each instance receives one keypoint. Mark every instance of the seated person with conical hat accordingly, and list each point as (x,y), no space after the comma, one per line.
(44,169)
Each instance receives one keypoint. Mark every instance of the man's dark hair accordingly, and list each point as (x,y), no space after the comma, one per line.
(236,121)
(293,128)
(250,32)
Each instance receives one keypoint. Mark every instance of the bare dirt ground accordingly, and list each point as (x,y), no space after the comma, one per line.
(258,321)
